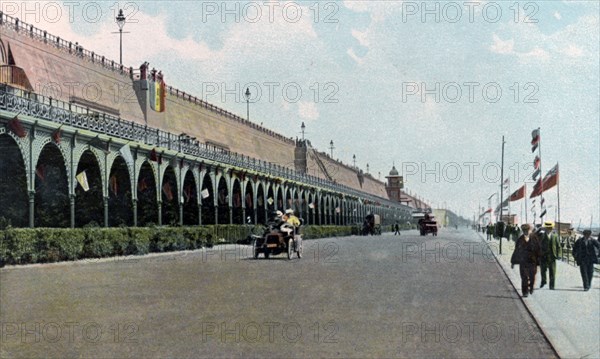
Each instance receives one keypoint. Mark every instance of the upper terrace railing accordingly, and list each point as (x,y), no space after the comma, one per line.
(77,50)
(15,100)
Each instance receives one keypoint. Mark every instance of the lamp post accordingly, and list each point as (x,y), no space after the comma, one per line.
(354,160)
(247,94)
(331,148)
(303,127)
(120,22)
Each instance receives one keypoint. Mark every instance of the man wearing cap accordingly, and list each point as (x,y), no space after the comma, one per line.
(551,251)
(586,251)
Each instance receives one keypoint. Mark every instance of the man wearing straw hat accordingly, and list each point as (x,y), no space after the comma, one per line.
(551,251)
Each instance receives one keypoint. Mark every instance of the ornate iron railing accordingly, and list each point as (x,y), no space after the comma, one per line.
(46,108)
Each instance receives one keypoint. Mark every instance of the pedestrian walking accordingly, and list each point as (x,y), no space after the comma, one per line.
(526,254)
(551,251)
(396,229)
(586,251)
(488,232)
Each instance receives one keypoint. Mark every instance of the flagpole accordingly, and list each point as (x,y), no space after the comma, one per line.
(501,192)
(558,198)
(542,206)
(525,204)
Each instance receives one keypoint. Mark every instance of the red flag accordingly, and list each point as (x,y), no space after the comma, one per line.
(489,210)
(142,185)
(16,127)
(155,157)
(536,162)
(535,136)
(535,175)
(518,194)
(167,191)
(40,171)
(114,185)
(551,178)
(57,134)
(537,189)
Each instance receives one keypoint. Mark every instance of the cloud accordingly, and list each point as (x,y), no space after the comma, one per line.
(502,47)
(354,57)
(362,37)
(508,48)
(572,51)
(308,110)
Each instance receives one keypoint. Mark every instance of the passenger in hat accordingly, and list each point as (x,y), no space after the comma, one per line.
(291,219)
(526,254)
(586,252)
(551,251)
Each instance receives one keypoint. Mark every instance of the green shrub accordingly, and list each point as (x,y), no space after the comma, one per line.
(21,246)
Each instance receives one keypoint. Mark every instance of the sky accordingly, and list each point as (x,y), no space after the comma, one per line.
(430,87)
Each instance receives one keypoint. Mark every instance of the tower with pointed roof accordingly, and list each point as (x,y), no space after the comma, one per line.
(394,184)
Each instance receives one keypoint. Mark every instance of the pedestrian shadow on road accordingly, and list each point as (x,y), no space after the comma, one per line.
(569,289)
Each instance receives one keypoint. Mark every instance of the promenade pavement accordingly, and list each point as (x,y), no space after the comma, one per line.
(568,316)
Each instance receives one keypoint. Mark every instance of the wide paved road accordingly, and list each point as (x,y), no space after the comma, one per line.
(358,297)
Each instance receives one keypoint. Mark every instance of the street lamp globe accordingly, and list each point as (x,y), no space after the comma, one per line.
(120,19)
(247,94)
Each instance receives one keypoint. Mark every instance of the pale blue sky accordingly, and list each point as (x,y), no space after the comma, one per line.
(369,56)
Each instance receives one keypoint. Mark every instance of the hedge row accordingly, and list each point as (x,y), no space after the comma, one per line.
(45,245)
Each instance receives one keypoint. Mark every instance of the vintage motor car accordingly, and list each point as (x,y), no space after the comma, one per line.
(279,237)
(428,225)
(372,225)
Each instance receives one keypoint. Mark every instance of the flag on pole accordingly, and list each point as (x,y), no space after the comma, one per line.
(40,172)
(518,194)
(536,162)
(537,190)
(543,213)
(155,157)
(143,185)
(167,191)
(551,178)
(83,181)
(57,135)
(506,183)
(126,154)
(16,127)
(97,143)
(535,136)
(114,185)
(535,174)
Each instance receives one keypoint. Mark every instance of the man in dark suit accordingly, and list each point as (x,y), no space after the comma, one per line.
(585,252)
(551,251)
(527,255)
